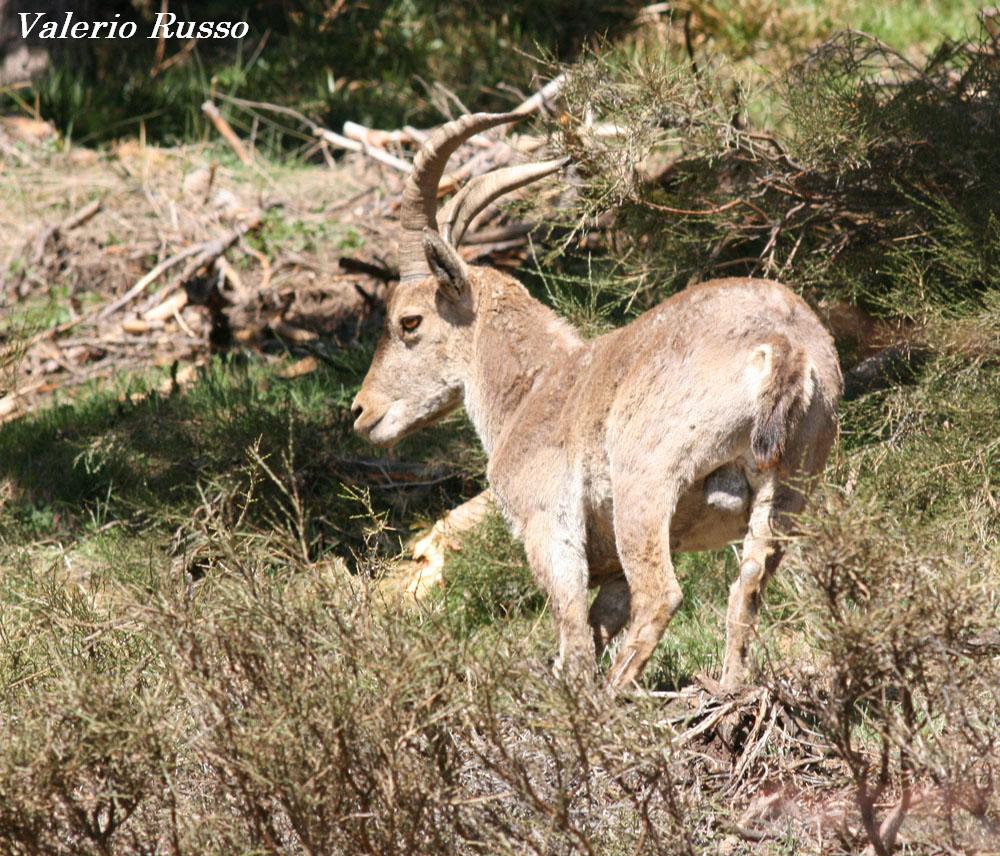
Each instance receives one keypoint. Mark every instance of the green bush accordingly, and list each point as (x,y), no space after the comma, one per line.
(874,180)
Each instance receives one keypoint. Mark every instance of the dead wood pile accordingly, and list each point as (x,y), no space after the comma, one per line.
(158,257)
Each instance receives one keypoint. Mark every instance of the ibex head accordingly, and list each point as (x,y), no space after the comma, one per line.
(417,373)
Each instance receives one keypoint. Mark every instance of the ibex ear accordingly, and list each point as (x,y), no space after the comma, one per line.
(446,265)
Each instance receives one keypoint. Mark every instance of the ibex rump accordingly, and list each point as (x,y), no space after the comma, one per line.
(684,430)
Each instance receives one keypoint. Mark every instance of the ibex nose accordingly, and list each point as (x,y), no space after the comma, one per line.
(365,415)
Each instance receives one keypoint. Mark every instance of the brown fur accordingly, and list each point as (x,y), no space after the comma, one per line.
(781,403)
(602,453)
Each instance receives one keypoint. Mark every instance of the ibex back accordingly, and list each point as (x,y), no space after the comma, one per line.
(694,426)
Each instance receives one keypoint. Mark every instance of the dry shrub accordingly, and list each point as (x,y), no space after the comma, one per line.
(78,766)
(905,674)
(324,724)
(857,173)
(320,721)
(88,723)
(278,706)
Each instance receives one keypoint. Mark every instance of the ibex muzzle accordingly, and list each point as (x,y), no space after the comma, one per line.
(696,425)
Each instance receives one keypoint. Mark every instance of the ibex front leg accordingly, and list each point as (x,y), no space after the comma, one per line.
(556,554)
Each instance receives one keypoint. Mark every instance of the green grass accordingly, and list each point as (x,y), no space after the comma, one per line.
(99,459)
(489,588)
(910,24)
(488,581)
(693,643)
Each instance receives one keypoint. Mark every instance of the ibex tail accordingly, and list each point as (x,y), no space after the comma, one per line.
(785,390)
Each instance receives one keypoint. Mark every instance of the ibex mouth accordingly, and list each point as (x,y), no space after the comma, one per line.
(365,429)
(385,431)
(391,427)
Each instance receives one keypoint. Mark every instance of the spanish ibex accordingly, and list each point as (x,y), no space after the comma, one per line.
(695,425)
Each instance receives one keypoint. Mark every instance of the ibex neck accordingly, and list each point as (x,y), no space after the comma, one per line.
(518,341)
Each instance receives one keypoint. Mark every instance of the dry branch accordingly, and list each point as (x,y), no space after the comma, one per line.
(378,271)
(227,132)
(81,216)
(375,137)
(375,153)
(48,237)
(167,308)
(540,98)
(149,278)
(371,142)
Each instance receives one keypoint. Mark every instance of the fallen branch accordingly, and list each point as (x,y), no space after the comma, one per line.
(375,137)
(167,308)
(146,280)
(179,57)
(290,333)
(227,132)
(342,142)
(49,235)
(547,92)
(372,269)
(371,141)
(501,234)
(694,212)
(11,403)
(81,216)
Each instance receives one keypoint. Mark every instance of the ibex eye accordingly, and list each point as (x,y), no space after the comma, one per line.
(410,322)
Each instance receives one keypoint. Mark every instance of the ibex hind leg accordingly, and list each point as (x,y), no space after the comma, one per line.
(642,536)
(762,552)
(774,503)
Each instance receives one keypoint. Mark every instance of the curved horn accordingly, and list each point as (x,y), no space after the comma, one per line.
(484,189)
(419,208)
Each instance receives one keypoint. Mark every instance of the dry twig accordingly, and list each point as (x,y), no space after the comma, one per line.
(226,131)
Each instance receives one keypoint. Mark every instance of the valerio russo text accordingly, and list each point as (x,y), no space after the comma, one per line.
(165,25)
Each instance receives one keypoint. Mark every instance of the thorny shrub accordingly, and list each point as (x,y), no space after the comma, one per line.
(903,672)
(857,173)
(278,705)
